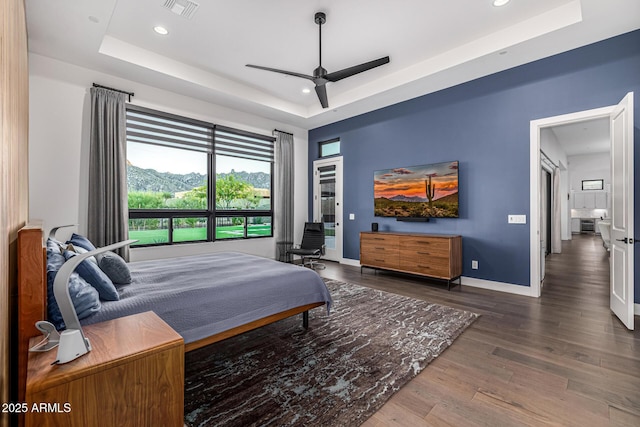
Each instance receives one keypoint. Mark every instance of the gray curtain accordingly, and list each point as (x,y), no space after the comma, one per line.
(283,194)
(108,214)
(556,236)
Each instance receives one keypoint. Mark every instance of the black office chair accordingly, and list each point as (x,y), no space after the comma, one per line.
(312,246)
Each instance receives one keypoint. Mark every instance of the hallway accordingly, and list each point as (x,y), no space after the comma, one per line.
(579,276)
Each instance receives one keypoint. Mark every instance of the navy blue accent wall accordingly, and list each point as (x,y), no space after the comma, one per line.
(484,124)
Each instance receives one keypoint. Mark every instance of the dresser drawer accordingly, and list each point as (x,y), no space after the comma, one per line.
(372,240)
(380,259)
(379,250)
(425,245)
(423,260)
(427,269)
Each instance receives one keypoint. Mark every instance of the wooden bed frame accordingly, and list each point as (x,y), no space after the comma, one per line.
(32,301)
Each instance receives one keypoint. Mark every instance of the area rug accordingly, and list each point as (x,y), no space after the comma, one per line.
(337,373)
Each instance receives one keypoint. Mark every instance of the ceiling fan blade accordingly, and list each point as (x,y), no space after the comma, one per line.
(356,69)
(321,90)
(275,70)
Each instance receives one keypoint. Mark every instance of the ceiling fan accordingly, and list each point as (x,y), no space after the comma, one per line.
(320,76)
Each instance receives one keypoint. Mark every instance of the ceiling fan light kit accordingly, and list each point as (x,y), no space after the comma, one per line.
(320,75)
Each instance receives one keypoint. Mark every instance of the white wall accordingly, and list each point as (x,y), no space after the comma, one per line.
(551,146)
(59,149)
(589,166)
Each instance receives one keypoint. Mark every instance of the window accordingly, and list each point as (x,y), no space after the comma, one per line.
(192,181)
(330,148)
(593,184)
(244,179)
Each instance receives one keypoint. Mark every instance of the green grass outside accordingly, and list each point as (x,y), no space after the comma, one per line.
(151,237)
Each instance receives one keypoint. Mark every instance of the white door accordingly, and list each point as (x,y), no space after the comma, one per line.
(622,211)
(327,204)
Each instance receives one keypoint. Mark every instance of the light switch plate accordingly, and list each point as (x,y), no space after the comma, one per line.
(517,219)
(352,216)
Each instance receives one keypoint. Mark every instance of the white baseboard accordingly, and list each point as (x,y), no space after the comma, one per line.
(479,283)
(497,286)
(636,309)
(349,261)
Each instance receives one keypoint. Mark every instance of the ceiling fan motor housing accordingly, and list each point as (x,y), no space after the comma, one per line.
(319,72)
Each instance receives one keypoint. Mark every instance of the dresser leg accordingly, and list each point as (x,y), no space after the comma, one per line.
(305,319)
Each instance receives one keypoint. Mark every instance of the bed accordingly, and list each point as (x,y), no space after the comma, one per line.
(205,298)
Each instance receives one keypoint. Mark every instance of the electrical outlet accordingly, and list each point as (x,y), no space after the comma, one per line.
(474,265)
(352,216)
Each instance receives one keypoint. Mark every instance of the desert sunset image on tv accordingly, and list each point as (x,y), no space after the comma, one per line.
(417,192)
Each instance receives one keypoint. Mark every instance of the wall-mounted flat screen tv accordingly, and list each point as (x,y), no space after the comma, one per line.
(427,191)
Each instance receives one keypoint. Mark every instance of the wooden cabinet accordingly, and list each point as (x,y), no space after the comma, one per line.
(133,376)
(432,255)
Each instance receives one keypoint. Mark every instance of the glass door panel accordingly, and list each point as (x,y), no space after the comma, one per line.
(328,204)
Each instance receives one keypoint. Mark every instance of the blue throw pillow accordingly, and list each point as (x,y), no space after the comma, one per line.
(85,297)
(53,311)
(54,255)
(95,277)
(55,259)
(83,242)
(80,250)
(115,267)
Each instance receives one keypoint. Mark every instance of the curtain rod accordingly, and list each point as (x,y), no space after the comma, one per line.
(278,130)
(115,90)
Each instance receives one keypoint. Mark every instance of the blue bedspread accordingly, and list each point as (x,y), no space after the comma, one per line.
(203,295)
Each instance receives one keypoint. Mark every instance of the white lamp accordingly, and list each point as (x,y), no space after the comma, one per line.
(73,343)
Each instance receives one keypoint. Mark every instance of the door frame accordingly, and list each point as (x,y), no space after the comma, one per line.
(536,127)
(337,160)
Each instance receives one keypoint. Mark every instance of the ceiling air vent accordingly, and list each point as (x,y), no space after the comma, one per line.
(186,8)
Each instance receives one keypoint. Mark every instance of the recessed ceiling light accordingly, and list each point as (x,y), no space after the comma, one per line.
(499,3)
(161,30)
(306,90)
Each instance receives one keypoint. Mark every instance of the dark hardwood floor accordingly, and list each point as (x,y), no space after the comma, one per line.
(562,359)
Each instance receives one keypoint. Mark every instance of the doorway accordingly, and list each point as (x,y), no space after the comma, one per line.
(327,204)
(546,222)
(546,218)
(620,140)
(538,128)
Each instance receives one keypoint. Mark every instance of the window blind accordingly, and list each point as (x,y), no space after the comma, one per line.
(327,174)
(242,144)
(167,130)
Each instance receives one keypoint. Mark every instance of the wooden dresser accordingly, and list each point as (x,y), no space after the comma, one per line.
(432,255)
(133,376)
